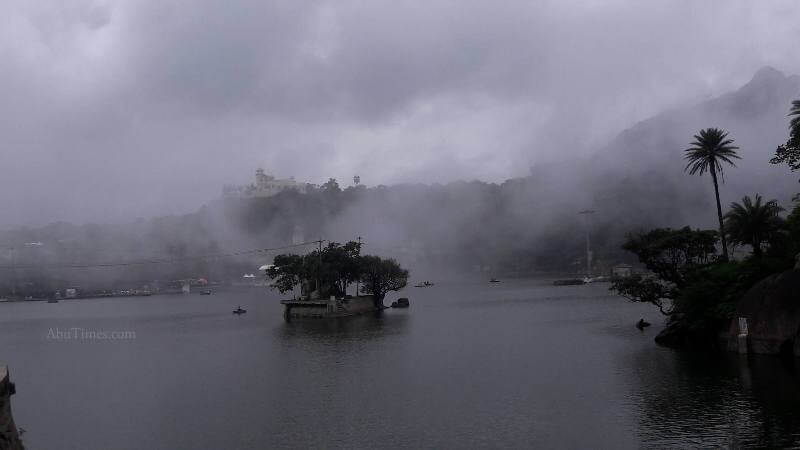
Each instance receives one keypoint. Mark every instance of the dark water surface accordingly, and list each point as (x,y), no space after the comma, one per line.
(515,364)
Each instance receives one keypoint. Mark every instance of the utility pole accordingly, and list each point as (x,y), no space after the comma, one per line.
(13,272)
(319,270)
(587,219)
(358,284)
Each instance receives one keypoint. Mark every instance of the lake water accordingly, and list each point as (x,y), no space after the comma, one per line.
(515,364)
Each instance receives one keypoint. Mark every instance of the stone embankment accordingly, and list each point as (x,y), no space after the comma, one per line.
(333,307)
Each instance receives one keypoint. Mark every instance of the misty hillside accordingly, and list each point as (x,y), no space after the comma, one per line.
(754,115)
(522,226)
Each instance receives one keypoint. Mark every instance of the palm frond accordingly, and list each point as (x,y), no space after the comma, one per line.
(710,147)
(795,111)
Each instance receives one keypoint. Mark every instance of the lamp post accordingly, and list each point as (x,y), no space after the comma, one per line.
(358,281)
(587,219)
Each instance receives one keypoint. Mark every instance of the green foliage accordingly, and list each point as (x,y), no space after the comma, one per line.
(643,289)
(795,111)
(754,223)
(791,244)
(709,149)
(288,271)
(381,276)
(337,267)
(668,253)
(672,256)
(712,292)
(341,265)
(789,153)
(691,286)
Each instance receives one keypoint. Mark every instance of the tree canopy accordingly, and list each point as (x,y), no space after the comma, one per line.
(753,222)
(671,255)
(335,268)
(789,153)
(381,276)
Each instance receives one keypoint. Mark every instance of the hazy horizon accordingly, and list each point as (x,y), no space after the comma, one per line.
(116,111)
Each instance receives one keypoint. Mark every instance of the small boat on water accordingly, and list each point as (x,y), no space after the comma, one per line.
(424,284)
(239,310)
(52,300)
(569,282)
(205,292)
(494,280)
(641,324)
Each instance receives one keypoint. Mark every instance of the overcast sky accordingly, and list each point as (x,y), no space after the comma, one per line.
(113,110)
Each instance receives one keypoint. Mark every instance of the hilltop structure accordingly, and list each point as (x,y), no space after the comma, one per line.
(265,186)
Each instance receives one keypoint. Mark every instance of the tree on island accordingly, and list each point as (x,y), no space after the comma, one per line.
(288,271)
(753,223)
(709,149)
(334,269)
(789,153)
(380,276)
(342,265)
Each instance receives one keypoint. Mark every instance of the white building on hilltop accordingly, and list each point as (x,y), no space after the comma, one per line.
(265,186)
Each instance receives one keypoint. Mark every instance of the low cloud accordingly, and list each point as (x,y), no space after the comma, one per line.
(114,110)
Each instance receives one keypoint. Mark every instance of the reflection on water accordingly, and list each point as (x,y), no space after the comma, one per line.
(519,364)
(716,400)
(366,326)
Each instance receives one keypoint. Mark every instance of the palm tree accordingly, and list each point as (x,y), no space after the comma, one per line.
(794,124)
(709,149)
(752,223)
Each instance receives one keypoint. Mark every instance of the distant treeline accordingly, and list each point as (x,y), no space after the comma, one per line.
(517,227)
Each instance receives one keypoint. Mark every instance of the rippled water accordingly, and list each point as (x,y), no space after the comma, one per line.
(516,364)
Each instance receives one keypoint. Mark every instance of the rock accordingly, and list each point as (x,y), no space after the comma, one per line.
(772,310)
(679,334)
(401,303)
(9,437)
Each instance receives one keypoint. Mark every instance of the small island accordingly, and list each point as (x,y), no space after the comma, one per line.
(325,275)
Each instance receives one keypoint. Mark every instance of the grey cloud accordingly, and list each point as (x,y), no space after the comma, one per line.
(115,110)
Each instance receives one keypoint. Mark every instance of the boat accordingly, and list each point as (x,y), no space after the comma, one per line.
(205,292)
(424,284)
(401,303)
(599,279)
(494,280)
(641,324)
(52,300)
(239,310)
(569,282)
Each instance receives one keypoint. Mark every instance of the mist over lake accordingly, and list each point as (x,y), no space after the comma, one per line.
(440,224)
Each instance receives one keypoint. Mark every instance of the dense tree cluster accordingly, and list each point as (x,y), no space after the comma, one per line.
(686,278)
(333,269)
